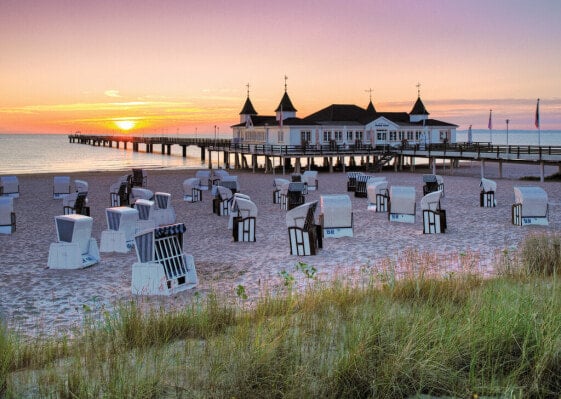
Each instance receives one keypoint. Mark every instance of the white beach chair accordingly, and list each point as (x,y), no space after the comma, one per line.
(245,221)
(119,192)
(7,215)
(61,186)
(163,211)
(221,201)
(336,215)
(230,182)
(530,206)
(121,228)
(402,204)
(377,195)
(145,210)
(434,218)
(351,180)
(75,248)
(293,196)
(277,184)
(487,194)
(431,184)
(76,203)
(233,211)
(9,186)
(162,268)
(304,235)
(192,191)
(204,178)
(310,177)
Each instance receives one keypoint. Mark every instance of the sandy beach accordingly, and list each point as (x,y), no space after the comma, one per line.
(37,300)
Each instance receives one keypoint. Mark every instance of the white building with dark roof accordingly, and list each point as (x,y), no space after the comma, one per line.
(341,124)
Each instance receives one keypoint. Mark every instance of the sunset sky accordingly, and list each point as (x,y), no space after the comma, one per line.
(182,66)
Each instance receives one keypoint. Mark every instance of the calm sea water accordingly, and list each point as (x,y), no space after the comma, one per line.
(43,153)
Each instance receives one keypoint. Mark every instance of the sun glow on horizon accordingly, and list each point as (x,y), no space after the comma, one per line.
(125,124)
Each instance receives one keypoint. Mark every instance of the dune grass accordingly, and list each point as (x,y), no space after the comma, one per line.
(455,336)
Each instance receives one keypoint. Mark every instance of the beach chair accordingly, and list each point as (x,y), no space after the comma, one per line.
(431,184)
(336,215)
(137,193)
(162,268)
(434,217)
(119,192)
(7,215)
(245,220)
(192,191)
(76,203)
(204,178)
(81,186)
(121,228)
(139,178)
(230,182)
(377,195)
(304,235)
(221,201)
(487,194)
(440,184)
(402,204)
(163,211)
(278,183)
(362,182)
(295,195)
(310,177)
(61,186)
(145,210)
(296,177)
(9,186)
(233,211)
(217,176)
(530,206)
(351,180)
(75,248)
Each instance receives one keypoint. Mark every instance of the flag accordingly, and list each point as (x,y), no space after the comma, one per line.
(537,121)
(490,125)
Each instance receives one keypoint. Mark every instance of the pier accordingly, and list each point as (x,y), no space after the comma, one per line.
(372,158)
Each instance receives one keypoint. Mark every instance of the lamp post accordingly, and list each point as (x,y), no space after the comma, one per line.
(215,135)
(507,147)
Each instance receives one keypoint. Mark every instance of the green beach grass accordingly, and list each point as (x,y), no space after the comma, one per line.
(377,337)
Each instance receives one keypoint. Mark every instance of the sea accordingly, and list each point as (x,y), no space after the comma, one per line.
(53,153)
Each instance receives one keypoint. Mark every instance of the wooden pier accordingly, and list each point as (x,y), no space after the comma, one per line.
(372,158)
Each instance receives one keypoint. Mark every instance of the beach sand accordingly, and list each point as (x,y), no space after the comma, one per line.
(36,300)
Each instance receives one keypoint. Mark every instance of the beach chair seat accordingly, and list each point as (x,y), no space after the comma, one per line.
(304,235)
(139,178)
(487,194)
(244,222)
(121,228)
(204,177)
(530,206)
(192,191)
(7,215)
(137,193)
(310,177)
(164,213)
(76,203)
(278,183)
(146,219)
(75,248)
(119,192)
(351,180)
(295,195)
(61,186)
(431,184)
(221,201)
(336,215)
(377,195)
(402,204)
(9,186)
(162,267)
(434,217)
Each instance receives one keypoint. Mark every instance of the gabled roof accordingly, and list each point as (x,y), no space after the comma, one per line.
(338,112)
(419,108)
(399,118)
(285,105)
(248,108)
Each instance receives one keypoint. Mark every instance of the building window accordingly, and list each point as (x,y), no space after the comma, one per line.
(393,136)
(280,136)
(359,135)
(349,135)
(306,135)
(381,135)
(326,136)
(338,135)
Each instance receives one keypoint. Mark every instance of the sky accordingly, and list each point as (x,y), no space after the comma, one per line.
(183,66)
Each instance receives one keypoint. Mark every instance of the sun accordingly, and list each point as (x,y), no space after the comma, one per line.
(125,124)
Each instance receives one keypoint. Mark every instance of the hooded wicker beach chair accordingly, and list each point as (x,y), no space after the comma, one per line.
(192,191)
(431,184)
(434,217)
(351,180)
(75,248)
(233,211)
(120,191)
(61,186)
(336,215)
(204,177)
(278,183)
(245,220)
(9,186)
(402,204)
(530,206)
(162,268)
(164,213)
(304,235)
(487,194)
(145,210)
(230,182)
(377,195)
(139,178)
(310,177)
(7,215)
(76,203)
(221,201)
(121,228)
(294,196)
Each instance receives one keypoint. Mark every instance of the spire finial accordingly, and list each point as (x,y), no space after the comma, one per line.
(370,92)
(247,85)
(418,89)
(285,79)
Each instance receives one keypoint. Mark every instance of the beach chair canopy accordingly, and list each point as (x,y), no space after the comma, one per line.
(203,175)
(9,185)
(145,209)
(81,186)
(375,188)
(488,185)
(336,210)
(246,207)
(533,200)
(301,216)
(76,229)
(162,200)
(61,185)
(279,182)
(402,199)
(141,193)
(221,173)
(223,193)
(122,218)
(230,182)
(190,184)
(431,201)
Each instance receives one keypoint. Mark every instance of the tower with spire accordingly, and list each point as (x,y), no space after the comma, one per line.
(419,112)
(247,111)
(285,109)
